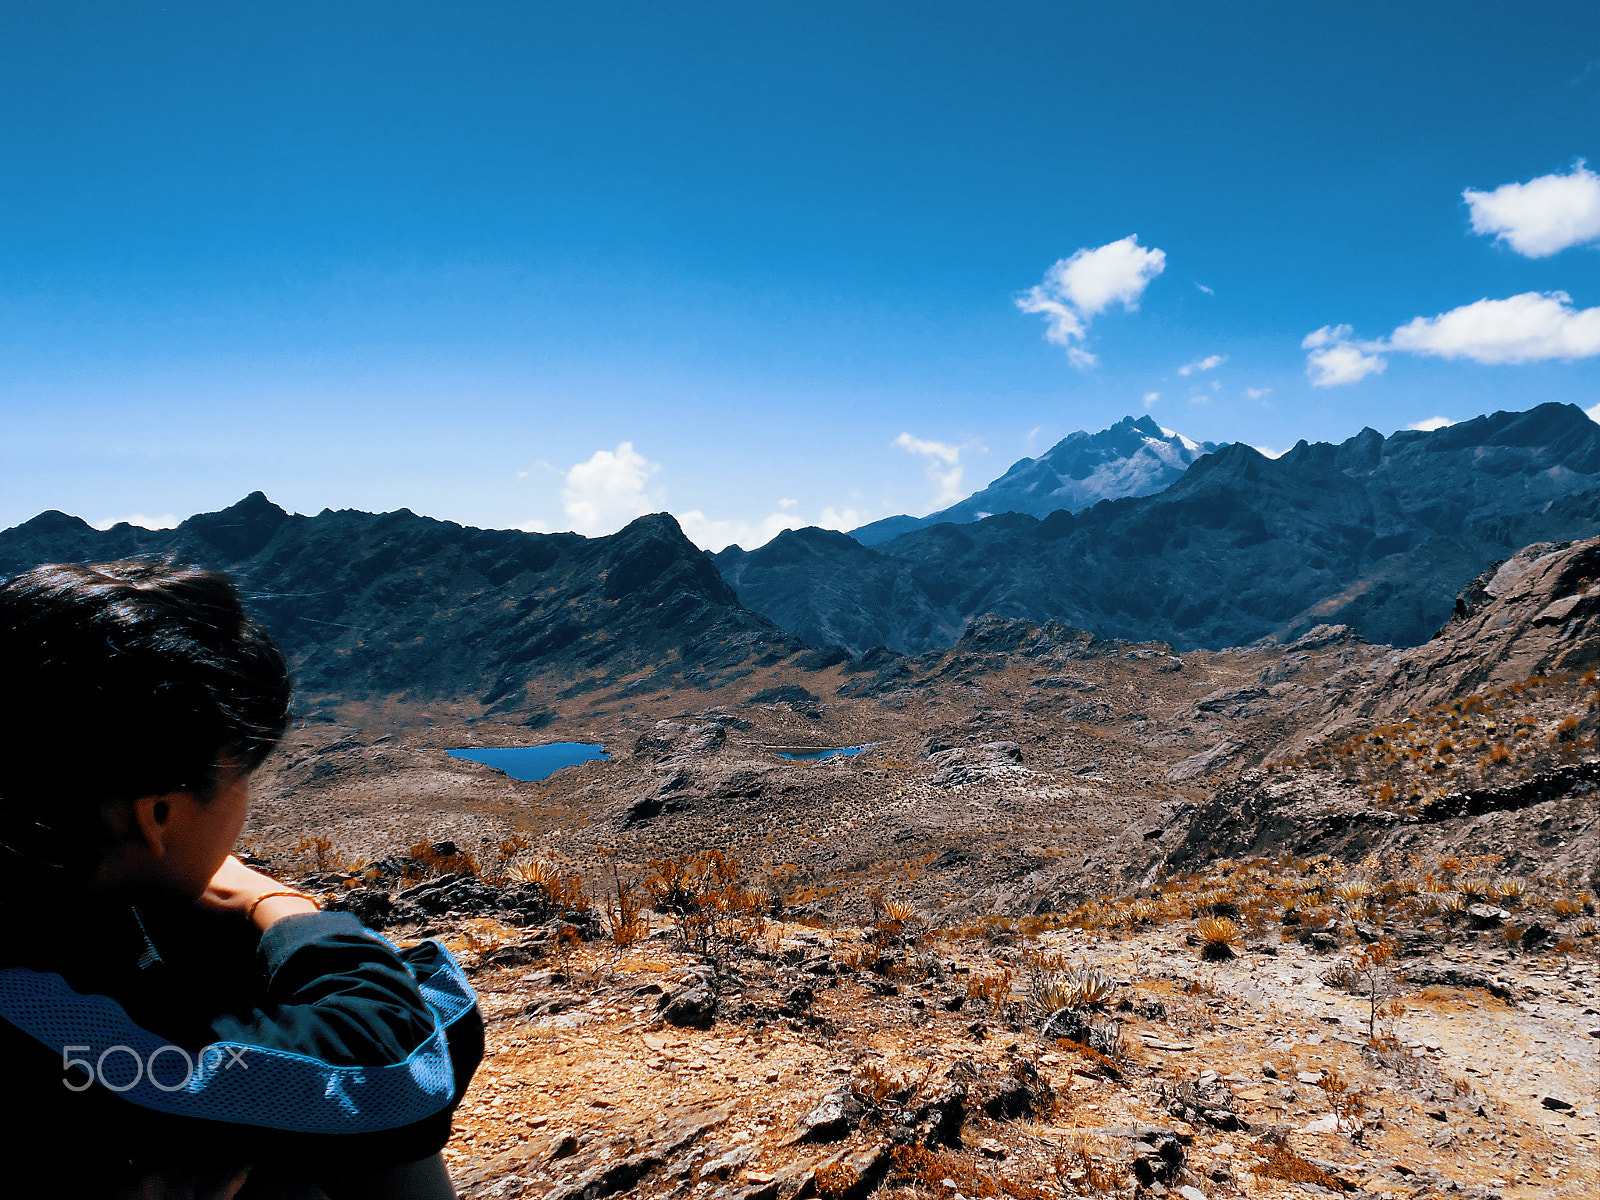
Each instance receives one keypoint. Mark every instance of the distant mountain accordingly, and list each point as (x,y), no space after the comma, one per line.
(1132,458)
(1378,533)
(393,604)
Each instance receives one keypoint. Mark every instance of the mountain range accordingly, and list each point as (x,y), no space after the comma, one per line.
(1135,457)
(397,605)
(1378,533)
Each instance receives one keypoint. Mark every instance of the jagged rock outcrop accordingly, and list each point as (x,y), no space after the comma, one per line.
(1536,613)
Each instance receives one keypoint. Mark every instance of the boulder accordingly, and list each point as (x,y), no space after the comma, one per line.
(834,1116)
(693,1005)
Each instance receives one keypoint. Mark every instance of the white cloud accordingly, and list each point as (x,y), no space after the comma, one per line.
(1543,216)
(787,503)
(1209,363)
(1432,423)
(1116,273)
(1593,414)
(717,535)
(1335,359)
(844,518)
(1076,289)
(536,525)
(608,490)
(1258,393)
(944,467)
(1531,327)
(1270,452)
(1528,328)
(1205,289)
(164,521)
(1150,398)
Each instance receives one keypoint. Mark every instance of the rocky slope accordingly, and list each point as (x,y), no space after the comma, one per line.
(397,606)
(1479,744)
(1135,457)
(1375,533)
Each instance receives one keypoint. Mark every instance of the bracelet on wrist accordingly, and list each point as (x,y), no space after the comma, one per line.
(250,913)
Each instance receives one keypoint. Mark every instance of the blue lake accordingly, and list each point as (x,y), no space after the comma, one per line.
(812,755)
(532,763)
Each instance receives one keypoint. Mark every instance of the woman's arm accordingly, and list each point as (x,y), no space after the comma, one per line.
(331,989)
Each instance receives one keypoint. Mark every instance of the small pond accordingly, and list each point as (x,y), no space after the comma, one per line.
(532,763)
(804,754)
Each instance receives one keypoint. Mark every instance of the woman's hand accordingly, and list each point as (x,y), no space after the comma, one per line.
(236,888)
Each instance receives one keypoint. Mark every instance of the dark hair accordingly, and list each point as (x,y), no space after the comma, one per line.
(120,680)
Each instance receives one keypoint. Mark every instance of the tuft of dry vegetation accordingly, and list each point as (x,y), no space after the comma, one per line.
(1283,1163)
(1218,938)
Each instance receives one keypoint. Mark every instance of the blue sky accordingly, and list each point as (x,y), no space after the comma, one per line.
(549,265)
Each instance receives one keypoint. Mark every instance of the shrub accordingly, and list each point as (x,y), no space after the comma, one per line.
(509,848)
(834,1180)
(1080,1167)
(1367,973)
(991,987)
(319,849)
(442,858)
(706,898)
(565,892)
(927,1170)
(624,916)
(1218,935)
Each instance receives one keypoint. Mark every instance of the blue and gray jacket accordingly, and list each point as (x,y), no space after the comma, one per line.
(173,1037)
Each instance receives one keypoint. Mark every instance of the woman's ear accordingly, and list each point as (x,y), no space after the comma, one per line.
(152,818)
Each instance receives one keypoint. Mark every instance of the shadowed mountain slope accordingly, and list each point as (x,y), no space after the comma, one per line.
(393,604)
(1376,533)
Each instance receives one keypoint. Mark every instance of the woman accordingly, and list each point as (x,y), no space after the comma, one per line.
(175,1023)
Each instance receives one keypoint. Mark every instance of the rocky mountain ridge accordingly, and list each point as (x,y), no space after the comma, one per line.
(1376,533)
(393,605)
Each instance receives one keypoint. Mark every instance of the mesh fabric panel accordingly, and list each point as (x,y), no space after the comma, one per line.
(233,1082)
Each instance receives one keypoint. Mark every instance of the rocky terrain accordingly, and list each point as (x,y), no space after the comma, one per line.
(1085,916)
(1376,533)
(1135,457)
(1088,917)
(936,1073)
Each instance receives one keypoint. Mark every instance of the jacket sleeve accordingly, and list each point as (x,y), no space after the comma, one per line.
(333,992)
(348,1056)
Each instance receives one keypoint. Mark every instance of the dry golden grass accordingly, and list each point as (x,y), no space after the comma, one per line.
(1283,1163)
(1566,906)
(991,987)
